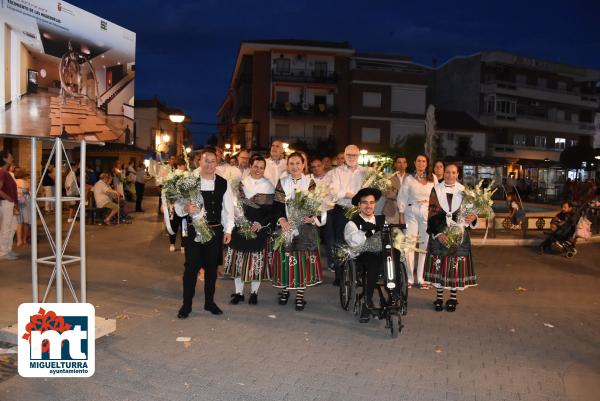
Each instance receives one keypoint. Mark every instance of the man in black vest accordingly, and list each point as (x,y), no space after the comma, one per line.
(363,231)
(218,203)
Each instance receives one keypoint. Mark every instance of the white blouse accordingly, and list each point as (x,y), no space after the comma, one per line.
(344,180)
(260,186)
(412,192)
(290,186)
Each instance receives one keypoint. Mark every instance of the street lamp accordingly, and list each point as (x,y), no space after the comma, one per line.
(176,118)
(363,154)
(188,150)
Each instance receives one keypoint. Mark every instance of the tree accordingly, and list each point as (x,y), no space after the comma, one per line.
(409,146)
(575,156)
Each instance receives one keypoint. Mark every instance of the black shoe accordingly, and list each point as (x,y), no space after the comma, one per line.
(451,305)
(236,298)
(300,304)
(439,305)
(336,282)
(213,308)
(183,313)
(253,300)
(283,298)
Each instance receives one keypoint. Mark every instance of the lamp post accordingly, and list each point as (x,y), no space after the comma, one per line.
(176,119)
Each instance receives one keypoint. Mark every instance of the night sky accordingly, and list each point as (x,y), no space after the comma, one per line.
(186,49)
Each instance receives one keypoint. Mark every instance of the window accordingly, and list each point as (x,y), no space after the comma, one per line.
(491,104)
(282,65)
(282,97)
(320,131)
(521,79)
(562,85)
(320,99)
(282,130)
(573,142)
(559,143)
(371,99)
(540,141)
(542,83)
(506,107)
(370,135)
(560,115)
(321,69)
(520,140)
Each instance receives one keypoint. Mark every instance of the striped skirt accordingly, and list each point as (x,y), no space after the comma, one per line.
(296,269)
(450,271)
(249,266)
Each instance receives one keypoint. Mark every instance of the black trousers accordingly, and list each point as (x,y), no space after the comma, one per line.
(197,256)
(338,220)
(370,264)
(139,196)
(175,223)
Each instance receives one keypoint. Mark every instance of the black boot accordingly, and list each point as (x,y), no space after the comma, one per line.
(438,305)
(365,313)
(253,300)
(236,298)
(451,305)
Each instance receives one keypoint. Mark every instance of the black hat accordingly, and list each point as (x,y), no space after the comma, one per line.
(365,192)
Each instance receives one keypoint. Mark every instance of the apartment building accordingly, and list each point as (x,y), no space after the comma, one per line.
(533,109)
(315,92)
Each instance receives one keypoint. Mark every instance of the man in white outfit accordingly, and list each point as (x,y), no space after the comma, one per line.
(276,164)
(346,181)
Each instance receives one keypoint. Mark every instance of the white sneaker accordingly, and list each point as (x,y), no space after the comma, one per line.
(171,248)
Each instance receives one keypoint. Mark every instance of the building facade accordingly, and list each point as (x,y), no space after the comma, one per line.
(316,93)
(532,109)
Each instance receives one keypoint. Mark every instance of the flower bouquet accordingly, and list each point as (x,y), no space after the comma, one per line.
(376,178)
(476,200)
(241,222)
(182,187)
(303,203)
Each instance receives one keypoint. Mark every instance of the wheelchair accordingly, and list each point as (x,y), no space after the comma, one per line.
(392,285)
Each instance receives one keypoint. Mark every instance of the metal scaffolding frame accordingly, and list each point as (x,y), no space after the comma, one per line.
(59,259)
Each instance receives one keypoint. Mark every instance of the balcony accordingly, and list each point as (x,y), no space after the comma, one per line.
(540,93)
(304,75)
(536,123)
(525,152)
(303,110)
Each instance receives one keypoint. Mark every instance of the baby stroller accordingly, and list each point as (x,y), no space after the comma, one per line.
(563,240)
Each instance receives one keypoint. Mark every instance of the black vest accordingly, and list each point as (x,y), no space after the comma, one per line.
(365,225)
(213,200)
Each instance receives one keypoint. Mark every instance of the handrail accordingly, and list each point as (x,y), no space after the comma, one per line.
(121,84)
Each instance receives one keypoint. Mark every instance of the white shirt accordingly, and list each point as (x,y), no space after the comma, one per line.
(412,192)
(353,235)
(227,216)
(275,169)
(325,179)
(290,186)
(101,197)
(260,186)
(344,180)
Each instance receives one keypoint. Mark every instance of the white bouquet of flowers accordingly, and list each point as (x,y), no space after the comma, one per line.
(477,201)
(183,187)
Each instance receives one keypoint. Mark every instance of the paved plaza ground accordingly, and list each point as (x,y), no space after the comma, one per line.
(529,331)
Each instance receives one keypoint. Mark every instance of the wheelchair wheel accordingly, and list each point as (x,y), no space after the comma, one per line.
(347,285)
(395,323)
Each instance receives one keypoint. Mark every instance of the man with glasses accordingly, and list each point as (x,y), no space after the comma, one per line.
(346,181)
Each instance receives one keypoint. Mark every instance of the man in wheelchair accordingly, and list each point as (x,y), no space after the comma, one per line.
(363,231)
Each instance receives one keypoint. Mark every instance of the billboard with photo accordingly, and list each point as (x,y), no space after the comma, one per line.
(64,71)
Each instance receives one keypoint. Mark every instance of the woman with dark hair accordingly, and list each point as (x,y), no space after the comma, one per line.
(298,265)
(247,259)
(413,203)
(438,171)
(448,268)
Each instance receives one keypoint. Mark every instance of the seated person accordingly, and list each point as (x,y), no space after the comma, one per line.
(104,194)
(557,225)
(363,231)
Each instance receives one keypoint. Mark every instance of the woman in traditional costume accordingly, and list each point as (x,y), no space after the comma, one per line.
(449,266)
